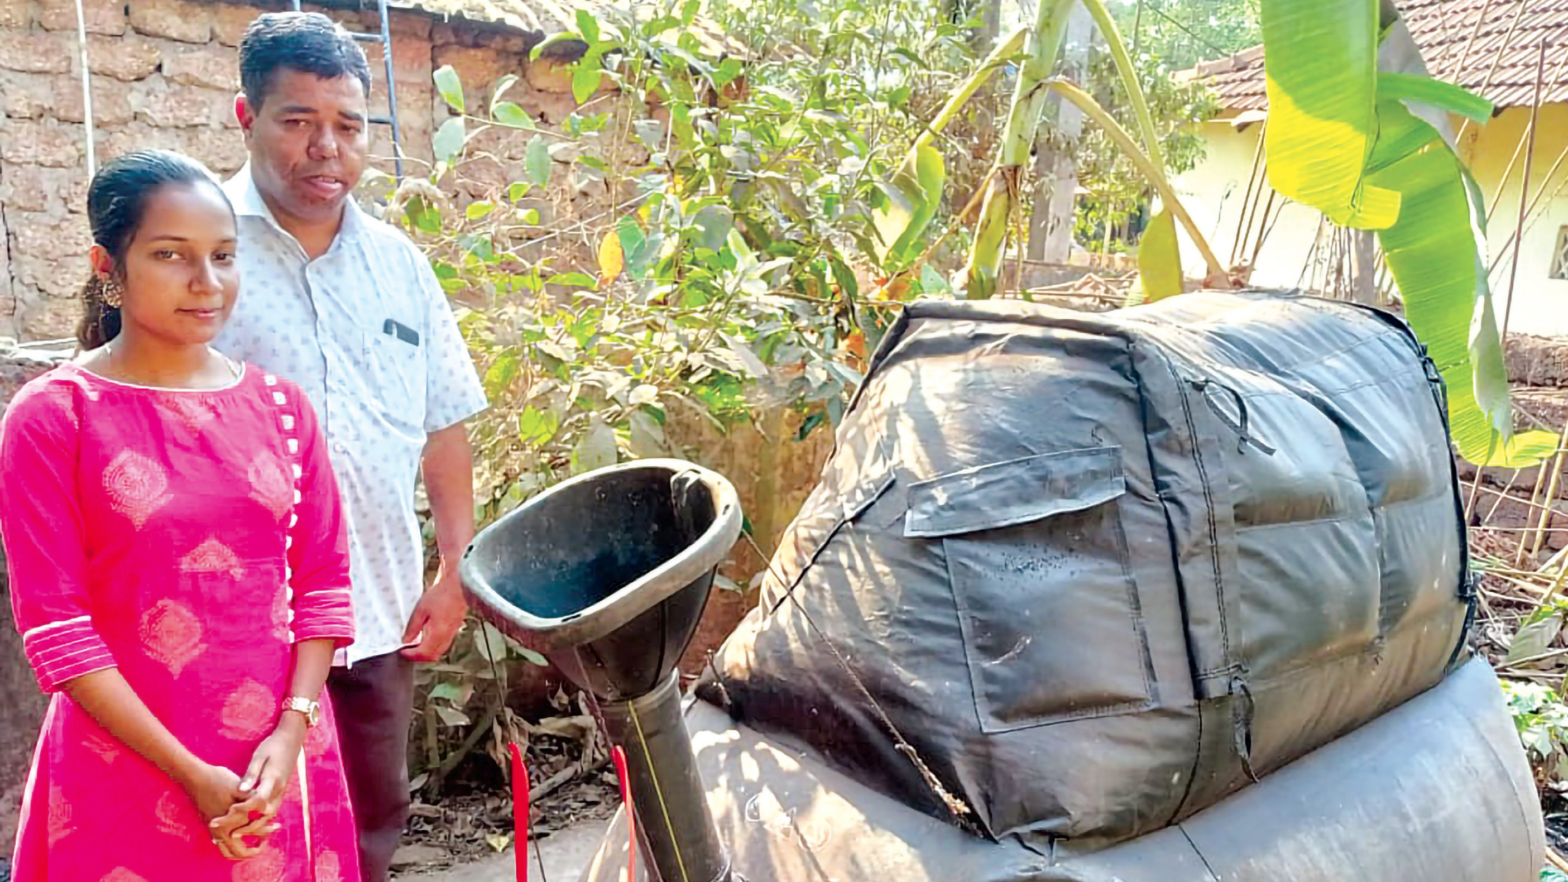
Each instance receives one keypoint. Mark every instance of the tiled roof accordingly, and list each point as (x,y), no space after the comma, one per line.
(1499,62)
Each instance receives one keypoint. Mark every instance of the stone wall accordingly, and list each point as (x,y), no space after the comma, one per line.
(164,73)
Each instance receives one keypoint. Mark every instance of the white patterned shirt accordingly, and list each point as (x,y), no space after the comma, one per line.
(366,331)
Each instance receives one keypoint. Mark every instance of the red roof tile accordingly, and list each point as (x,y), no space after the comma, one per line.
(1460,40)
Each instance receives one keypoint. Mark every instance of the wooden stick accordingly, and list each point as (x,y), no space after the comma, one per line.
(1497,197)
(1558,559)
(1502,49)
(1524,189)
(1550,653)
(1506,494)
(1540,193)
(1243,221)
(1553,530)
(1533,506)
(1263,228)
(1557,585)
(1551,494)
(1474,32)
(1540,487)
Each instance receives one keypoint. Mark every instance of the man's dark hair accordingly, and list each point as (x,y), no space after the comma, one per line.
(308,42)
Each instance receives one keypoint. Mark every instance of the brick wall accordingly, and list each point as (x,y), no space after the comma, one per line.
(164,74)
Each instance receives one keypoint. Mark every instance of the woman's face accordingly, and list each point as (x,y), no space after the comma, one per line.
(180,273)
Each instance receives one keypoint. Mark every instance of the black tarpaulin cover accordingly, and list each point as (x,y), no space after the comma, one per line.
(1101,571)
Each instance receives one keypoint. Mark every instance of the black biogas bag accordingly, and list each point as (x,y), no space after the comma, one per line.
(1097,572)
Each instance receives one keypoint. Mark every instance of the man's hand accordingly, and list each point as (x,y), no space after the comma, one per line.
(448,467)
(437,618)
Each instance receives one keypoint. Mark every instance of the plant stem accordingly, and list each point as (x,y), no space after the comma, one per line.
(1041,48)
(958,99)
(1129,75)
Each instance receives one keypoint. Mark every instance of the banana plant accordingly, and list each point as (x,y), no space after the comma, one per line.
(1359,130)
(908,200)
(1159,259)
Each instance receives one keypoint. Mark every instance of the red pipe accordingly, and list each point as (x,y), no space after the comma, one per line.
(619,756)
(519,810)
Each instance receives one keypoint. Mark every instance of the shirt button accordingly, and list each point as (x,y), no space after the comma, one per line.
(340,447)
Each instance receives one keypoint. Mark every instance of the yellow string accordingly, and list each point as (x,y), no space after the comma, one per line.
(658,792)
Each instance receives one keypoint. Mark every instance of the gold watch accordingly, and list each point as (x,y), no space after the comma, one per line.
(311,709)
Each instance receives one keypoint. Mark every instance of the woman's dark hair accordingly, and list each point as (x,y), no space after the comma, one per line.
(116,203)
(308,42)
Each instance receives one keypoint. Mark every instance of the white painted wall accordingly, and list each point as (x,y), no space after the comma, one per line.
(1214,190)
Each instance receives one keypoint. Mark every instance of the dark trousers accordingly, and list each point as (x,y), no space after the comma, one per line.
(373,702)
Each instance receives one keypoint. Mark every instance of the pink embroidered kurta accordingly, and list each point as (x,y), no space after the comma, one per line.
(188,537)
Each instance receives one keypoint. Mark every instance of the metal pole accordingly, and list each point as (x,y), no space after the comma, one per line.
(87,90)
(386,55)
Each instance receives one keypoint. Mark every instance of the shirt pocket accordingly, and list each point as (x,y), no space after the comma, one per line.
(395,372)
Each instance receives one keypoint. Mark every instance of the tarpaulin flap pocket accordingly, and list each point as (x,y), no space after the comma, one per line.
(1037,561)
(1019,491)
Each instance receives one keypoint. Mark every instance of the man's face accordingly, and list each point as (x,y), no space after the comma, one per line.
(307,143)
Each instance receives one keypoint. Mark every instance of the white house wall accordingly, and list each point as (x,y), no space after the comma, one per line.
(1213,193)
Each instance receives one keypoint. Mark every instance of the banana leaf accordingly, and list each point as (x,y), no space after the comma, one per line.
(1159,258)
(905,205)
(1358,130)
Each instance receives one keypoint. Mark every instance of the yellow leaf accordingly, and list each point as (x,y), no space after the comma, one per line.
(611,259)
(1159,258)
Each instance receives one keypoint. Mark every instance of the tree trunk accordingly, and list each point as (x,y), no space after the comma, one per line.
(1051,217)
(1363,267)
(990,27)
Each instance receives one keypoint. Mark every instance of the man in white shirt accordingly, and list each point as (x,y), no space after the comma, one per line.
(347,307)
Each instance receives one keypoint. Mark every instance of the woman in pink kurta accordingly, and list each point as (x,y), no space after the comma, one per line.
(191,540)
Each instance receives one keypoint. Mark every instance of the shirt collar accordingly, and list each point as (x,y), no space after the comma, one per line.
(247,202)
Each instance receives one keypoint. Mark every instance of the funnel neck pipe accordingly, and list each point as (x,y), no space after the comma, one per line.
(678,836)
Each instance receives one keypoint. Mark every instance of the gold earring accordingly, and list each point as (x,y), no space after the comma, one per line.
(112,292)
